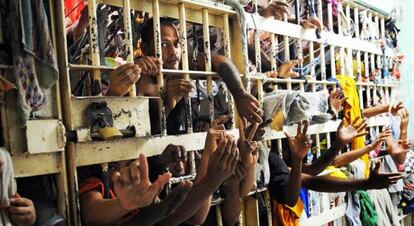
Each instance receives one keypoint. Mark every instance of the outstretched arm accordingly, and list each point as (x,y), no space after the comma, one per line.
(344,135)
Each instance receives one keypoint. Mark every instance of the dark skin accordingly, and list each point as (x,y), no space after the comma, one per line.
(344,135)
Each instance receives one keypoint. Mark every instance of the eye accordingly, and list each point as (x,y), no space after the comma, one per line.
(164,45)
(177,44)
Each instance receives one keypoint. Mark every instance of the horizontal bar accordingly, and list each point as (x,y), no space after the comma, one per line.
(130,148)
(296,31)
(330,126)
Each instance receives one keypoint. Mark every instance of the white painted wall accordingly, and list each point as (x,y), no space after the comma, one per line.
(406,44)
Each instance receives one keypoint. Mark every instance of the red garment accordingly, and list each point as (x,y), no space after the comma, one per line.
(95,184)
(92,184)
(73,9)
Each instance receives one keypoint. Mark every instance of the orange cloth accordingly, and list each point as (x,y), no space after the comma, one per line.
(287,216)
(94,184)
(352,111)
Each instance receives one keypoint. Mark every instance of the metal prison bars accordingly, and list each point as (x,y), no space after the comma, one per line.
(352,50)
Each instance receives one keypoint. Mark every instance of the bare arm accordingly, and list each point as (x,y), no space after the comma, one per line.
(95,209)
(344,135)
(350,156)
(323,161)
(373,111)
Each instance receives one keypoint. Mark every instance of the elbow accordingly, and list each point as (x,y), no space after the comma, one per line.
(291,202)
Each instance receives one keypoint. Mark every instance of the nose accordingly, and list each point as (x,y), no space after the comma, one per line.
(172,51)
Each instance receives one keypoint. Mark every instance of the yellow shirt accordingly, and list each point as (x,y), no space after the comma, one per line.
(286,215)
(351,111)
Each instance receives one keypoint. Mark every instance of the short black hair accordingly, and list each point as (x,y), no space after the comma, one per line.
(147,32)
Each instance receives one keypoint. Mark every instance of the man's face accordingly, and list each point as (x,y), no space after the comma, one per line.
(170,47)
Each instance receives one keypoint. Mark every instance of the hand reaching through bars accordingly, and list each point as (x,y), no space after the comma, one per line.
(382,137)
(259,130)
(286,69)
(300,144)
(312,23)
(122,79)
(214,136)
(379,180)
(223,161)
(277,9)
(175,158)
(132,185)
(249,150)
(248,108)
(175,90)
(405,119)
(399,149)
(336,100)
(393,109)
(345,134)
(149,65)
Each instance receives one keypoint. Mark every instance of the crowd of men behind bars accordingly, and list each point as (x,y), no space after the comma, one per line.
(134,192)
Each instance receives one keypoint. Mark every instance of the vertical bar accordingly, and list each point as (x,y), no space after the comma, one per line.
(361,97)
(227,53)
(330,16)
(377,27)
(322,47)
(257,50)
(333,63)
(370,20)
(207,61)
(382,28)
(368,90)
(274,54)
(356,22)
(339,18)
(312,64)
(318,145)
(251,211)
(64,83)
(128,39)
(268,203)
(160,76)
(219,216)
(366,66)
(184,63)
(93,40)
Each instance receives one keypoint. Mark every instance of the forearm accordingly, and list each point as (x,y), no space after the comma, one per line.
(373,111)
(332,184)
(197,203)
(97,213)
(247,184)
(294,184)
(323,161)
(350,156)
(229,73)
(231,205)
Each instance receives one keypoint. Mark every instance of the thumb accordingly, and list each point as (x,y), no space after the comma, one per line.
(159,183)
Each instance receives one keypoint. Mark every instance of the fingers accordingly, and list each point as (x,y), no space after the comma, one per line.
(183,152)
(376,167)
(143,167)
(361,134)
(227,151)
(241,130)
(125,176)
(134,173)
(252,131)
(288,137)
(342,123)
(305,127)
(298,130)
(116,179)
(159,183)
(354,123)
(316,22)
